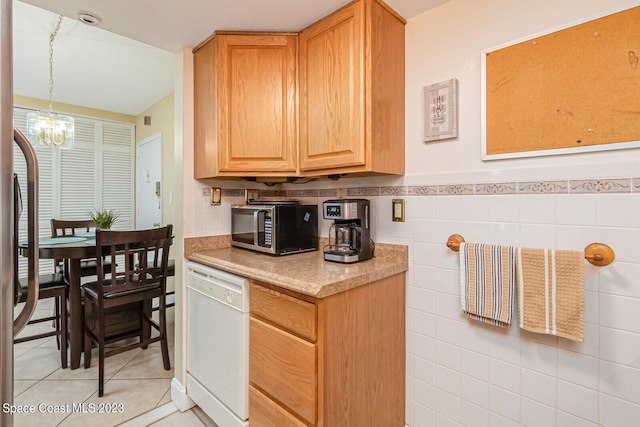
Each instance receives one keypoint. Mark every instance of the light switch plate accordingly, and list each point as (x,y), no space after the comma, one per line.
(398,210)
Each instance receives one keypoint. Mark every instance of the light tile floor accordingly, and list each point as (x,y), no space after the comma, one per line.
(136,385)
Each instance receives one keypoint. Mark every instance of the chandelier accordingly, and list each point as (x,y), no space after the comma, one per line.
(47,129)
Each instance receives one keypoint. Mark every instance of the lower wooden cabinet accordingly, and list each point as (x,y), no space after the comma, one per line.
(335,361)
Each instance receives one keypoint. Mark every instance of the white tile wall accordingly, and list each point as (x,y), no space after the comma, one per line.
(509,378)
(539,387)
(461,372)
(518,378)
(536,414)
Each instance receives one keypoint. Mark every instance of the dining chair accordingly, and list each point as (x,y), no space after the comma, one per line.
(71,228)
(143,257)
(51,286)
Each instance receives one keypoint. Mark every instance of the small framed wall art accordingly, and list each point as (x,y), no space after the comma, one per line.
(441,111)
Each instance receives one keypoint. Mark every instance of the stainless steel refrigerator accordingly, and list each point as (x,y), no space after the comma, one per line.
(11,202)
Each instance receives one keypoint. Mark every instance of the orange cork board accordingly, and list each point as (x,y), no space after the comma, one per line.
(575,89)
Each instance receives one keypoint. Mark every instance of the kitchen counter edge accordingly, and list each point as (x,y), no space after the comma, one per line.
(306,273)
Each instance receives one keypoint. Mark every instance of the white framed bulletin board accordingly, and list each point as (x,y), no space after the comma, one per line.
(569,90)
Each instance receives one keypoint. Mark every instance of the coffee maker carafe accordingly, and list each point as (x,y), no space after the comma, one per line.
(349,235)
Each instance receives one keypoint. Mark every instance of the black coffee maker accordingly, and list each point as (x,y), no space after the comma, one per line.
(349,235)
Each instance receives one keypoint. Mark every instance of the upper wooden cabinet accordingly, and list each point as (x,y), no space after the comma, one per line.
(350,75)
(245,105)
(351,82)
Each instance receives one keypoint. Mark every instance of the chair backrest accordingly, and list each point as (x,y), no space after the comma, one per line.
(69,227)
(143,256)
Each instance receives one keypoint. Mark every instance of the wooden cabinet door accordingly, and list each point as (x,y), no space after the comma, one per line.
(256,102)
(332,95)
(284,367)
(204,136)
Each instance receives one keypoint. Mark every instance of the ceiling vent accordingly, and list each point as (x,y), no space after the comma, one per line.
(88,18)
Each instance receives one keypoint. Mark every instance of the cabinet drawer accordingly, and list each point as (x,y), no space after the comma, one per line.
(264,412)
(291,313)
(284,366)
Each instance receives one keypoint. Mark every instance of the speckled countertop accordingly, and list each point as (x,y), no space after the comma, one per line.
(307,273)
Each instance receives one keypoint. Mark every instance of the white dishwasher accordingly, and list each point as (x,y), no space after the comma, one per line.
(218,344)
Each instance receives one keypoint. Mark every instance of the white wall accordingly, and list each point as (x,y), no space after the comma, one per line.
(460,372)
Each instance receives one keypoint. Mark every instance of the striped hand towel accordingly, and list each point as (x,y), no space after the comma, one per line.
(487,282)
(551,292)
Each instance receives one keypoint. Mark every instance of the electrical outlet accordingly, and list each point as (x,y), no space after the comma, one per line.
(341,193)
(398,210)
(215,196)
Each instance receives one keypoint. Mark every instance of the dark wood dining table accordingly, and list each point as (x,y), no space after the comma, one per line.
(72,250)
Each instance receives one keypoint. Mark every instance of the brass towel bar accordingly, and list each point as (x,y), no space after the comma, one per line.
(597,254)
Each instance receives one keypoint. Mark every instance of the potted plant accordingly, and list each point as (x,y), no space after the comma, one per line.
(104,219)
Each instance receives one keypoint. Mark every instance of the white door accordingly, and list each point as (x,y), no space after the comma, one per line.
(149,183)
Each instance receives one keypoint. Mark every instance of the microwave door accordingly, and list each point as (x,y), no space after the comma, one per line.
(252,227)
(243,229)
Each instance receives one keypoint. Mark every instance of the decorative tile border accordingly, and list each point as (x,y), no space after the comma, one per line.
(425,190)
(273,193)
(294,193)
(327,192)
(582,186)
(232,192)
(393,191)
(455,190)
(601,186)
(303,193)
(363,191)
(543,187)
(497,188)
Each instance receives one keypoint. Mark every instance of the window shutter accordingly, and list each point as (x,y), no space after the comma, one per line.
(117,187)
(118,141)
(77,175)
(118,134)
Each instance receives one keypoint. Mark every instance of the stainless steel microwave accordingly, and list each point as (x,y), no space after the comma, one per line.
(278,228)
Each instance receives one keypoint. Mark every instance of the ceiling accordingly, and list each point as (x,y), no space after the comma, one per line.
(126,65)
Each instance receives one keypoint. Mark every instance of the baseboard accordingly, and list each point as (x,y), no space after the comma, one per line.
(179,396)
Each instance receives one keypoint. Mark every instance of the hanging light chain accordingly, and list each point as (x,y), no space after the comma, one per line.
(51,39)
